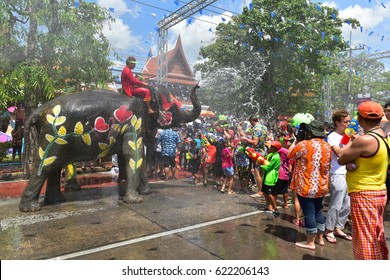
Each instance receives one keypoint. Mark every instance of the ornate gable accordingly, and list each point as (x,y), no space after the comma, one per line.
(179,72)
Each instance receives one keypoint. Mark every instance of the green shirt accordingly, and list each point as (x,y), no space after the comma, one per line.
(271,173)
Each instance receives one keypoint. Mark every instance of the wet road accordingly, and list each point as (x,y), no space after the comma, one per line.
(178,221)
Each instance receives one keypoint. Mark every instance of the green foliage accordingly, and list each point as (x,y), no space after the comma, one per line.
(3,149)
(48,45)
(295,43)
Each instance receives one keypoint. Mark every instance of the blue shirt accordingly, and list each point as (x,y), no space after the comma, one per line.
(169,140)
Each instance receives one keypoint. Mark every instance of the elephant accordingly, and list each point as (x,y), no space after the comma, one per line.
(93,124)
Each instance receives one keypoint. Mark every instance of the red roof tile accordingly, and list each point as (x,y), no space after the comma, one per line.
(179,72)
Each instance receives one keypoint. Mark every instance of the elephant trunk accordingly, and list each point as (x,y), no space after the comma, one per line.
(189,116)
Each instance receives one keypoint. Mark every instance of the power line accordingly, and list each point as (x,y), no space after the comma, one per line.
(169,11)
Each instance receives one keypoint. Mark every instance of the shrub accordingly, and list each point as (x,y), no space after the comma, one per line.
(3,149)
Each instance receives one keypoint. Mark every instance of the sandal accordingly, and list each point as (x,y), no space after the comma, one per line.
(330,238)
(231,192)
(343,236)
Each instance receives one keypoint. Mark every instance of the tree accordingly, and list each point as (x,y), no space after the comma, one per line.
(295,40)
(365,76)
(62,42)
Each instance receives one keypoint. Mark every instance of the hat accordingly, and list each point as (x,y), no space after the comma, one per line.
(370,110)
(317,128)
(276,144)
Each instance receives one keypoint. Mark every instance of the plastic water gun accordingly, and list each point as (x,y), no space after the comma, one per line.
(240,148)
(205,140)
(214,137)
(257,158)
(350,131)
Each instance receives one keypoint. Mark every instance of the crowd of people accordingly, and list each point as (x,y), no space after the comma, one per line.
(307,161)
(13,116)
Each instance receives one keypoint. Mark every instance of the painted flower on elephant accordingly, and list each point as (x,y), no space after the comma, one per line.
(122,115)
(165,118)
(55,119)
(101,125)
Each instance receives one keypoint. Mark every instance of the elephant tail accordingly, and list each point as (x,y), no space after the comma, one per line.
(32,122)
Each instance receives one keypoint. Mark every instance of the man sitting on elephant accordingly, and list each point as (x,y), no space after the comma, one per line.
(133,86)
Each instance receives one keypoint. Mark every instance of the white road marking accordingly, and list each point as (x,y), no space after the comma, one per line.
(37,218)
(152,236)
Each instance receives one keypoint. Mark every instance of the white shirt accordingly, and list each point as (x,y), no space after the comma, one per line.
(334,140)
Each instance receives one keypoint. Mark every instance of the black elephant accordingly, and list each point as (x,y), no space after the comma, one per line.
(92,124)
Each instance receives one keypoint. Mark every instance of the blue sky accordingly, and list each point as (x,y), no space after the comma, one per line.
(134,32)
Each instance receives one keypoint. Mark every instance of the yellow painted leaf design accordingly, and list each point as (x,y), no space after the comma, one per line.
(60,120)
(124,128)
(62,131)
(50,119)
(115,127)
(49,137)
(133,120)
(41,152)
(103,154)
(132,164)
(139,142)
(61,141)
(132,145)
(49,160)
(138,124)
(79,128)
(139,163)
(112,140)
(87,139)
(103,146)
(57,110)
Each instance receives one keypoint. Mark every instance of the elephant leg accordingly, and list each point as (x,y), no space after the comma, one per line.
(122,168)
(132,195)
(53,189)
(132,157)
(147,164)
(29,200)
(71,183)
(143,177)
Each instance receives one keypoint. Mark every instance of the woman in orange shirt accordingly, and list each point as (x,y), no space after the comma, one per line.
(310,179)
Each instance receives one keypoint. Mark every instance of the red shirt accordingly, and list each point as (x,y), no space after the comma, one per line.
(129,81)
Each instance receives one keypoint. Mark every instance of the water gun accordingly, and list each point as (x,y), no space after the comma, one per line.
(205,140)
(350,131)
(240,148)
(257,158)
(215,137)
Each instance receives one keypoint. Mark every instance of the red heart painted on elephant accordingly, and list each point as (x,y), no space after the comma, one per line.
(165,118)
(122,114)
(101,125)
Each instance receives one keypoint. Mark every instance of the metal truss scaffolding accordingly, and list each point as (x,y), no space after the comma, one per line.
(163,25)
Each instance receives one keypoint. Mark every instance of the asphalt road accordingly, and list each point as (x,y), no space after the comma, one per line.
(178,221)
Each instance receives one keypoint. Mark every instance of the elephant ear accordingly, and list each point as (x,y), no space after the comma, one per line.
(170,113)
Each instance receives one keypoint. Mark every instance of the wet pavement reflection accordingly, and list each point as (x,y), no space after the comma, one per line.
(176,221)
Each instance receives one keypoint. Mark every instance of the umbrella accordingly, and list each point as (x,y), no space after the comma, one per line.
(11,109)
(207,114)
(4,137)
(302,118)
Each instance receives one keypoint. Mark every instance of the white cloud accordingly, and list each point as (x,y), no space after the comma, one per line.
(331,4)
(368,17)
(196,34)
(372,19)
(120,36)
(118,5)
(118,33)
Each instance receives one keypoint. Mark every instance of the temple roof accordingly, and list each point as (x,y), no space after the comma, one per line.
(179,72)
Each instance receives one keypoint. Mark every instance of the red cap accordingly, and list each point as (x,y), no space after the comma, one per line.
(276,144)
(370,110)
